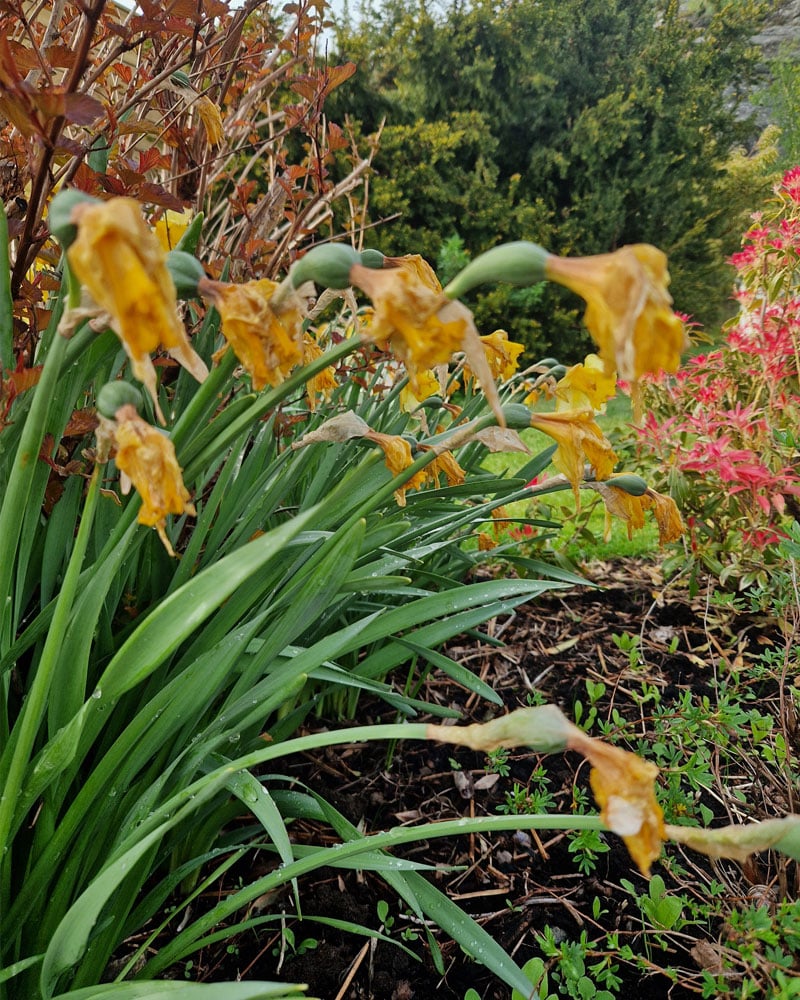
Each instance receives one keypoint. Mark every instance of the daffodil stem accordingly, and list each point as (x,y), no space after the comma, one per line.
(265,402)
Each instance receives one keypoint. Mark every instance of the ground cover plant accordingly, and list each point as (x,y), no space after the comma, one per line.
(232,503)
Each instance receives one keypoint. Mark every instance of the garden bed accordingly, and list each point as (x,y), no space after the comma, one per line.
(703,691)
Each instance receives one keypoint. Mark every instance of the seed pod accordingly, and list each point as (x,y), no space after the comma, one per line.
(113,395)
(59,217)
(628,483)
(327,266)
(372,258)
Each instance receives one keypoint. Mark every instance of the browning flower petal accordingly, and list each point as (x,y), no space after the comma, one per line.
(324,382)
(421,326)
(265,338)
(397,456)
(624,787)
(122,264)
(147,457)
(580,440)
(585,385)
(628,308)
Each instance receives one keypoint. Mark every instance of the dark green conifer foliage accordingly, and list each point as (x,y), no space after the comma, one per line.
(579,124)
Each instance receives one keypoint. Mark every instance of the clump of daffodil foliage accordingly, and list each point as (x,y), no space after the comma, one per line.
(310,481)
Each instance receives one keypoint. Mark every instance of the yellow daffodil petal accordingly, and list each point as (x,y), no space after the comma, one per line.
(624,787)
(122,264)
(444,464)
(579,440)
(321,384)
(421,270)
(585,385)
(427,384)
(397,456)
(502,354)
(628,308)
(411,318)
(211,119)
(147,457)
(171,226)
(266,339)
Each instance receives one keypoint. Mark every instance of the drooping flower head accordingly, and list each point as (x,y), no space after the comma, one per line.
(264,332)
(502,355)
(146,457)
(121,263)
(580,440)
(624,787)
(628,308)
(397,457)
(324,382)
(585,385)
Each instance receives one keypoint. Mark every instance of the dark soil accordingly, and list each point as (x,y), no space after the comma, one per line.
(516,884)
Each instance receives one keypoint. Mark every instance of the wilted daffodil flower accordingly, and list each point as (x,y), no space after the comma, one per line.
(263,329)
(580,440)
(427,385)
(624,787)
(324,382)
(623,783)
(628,308)
(145,457)
(121,263)
(630,508)
(501,354)
(585,385)
(397,456)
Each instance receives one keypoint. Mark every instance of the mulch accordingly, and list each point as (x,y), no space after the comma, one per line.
(513,884)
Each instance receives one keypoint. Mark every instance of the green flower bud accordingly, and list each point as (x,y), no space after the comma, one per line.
(517,416)
(634,485)
(327,266)
(186,271)
(519,263)
(372,258)
(59,217)
(113,395)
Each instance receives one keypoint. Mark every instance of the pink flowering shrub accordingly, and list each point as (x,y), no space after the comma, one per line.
(726,428)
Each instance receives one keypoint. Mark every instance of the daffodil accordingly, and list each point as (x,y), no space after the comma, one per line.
(417,323)
(264,332)
(427,386)
(502,354)
(628,308)
(324,382)
(444,464)
(624,787)
(211,119)
(630,509)
(171,226)
(397,456)
(420,325)
(121,263)
(146,457)
(579,440)
(585,385)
